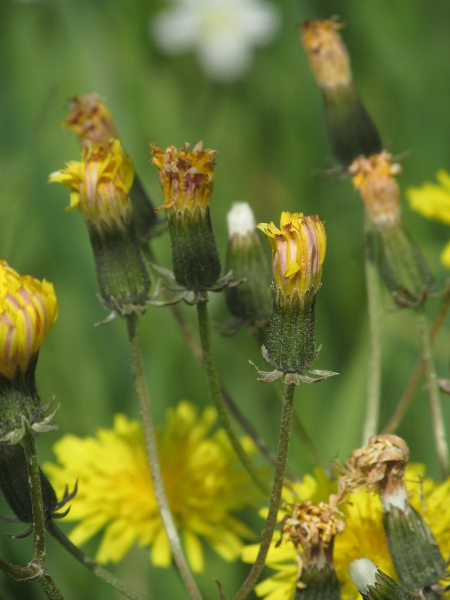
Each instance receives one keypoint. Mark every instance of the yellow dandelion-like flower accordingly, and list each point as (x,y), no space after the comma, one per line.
(28,309)
(363,535)
(432,201)
(204,482)
(100,184)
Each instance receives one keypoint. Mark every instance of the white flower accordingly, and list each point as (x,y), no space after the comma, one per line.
(222,32)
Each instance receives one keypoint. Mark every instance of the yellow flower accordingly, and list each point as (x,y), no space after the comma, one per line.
(327,53)
(203,478)
(373,177)
(28,309)
(363,535)
(433,202)
(187,178)
(100,185)
(91,120)
(298,251)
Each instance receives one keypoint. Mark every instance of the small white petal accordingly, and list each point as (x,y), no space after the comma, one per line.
(175,30)
(362,572)
(240,219)
(225,59)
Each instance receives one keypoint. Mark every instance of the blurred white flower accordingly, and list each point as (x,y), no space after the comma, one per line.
(222,32)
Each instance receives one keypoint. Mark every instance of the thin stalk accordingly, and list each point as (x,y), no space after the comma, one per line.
(37,565)
(277,487)
(152,452)
(88,562)
(440,438)
(375,319)
(406,398)
(216,394)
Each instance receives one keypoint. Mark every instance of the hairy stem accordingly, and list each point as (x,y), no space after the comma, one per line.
(277,487)
(216,394)
(375,314)
(152,452)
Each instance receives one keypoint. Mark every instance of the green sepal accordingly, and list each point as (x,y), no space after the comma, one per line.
(250,302)
(414,551)
(196,262)
(19,400)
(350,127)
(386,588)
(403,267)
(291,338)
(321,584)
(121,273)
(15,484)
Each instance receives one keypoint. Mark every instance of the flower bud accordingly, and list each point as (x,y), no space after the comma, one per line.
(187,181)
(100,190)
(298,251)
(250,302)
(28,309)
(15,484)
(352,131)
(92,121)
(373,584)
(403,267)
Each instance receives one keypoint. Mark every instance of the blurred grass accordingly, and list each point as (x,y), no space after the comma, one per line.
(270,132)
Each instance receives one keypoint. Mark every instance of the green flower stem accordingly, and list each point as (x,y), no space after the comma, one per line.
(375,318)
(440,437)
(196,350)
(37,566)
(88,562)
(216,393)
(152,452)
(406,398)
(283,449)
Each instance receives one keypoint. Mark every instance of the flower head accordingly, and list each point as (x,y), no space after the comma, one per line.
(363,535)
(187,178)
(327,53)
(432,201)
(100,184)
(373,177)
(203,479)
(28,309)
(298,251)
(222,32)
(91,120)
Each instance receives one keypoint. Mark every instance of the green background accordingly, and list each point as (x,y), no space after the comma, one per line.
(270,132)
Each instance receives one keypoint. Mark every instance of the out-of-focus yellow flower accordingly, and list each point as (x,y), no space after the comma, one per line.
(28,309)
(298,251)
(91,120)
(432,201)
(327,53)
(373,178)
(100,185)
(363,535)
(204,484)
(187,178)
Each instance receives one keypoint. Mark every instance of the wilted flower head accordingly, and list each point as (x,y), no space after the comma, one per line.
(204,484)
(222,32)
(186,177)
(298,251)
(432,201)
(90,119)
(327,53)
(363,535)
(28,309)
(373,177)
(100,185)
